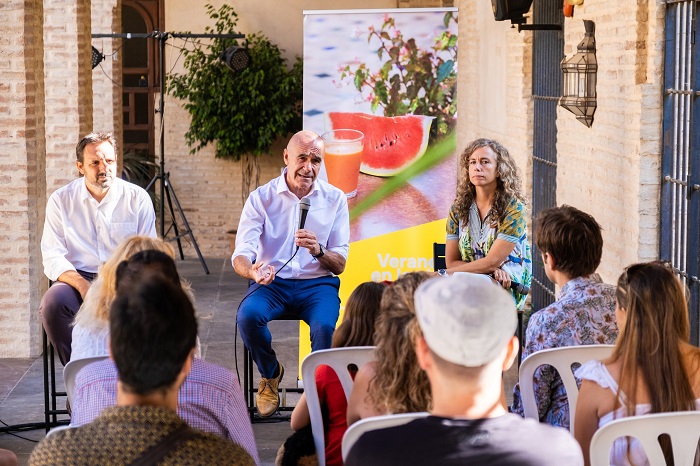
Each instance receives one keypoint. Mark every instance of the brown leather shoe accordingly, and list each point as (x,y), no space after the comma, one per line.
(268,395)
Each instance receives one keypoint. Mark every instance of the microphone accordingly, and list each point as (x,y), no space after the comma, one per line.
(304,205)
(519,288)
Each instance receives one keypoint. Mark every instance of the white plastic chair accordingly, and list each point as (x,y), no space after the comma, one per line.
(71,371)
(338,359)
(683,428)
(57,429)
(356,430)
(561,359)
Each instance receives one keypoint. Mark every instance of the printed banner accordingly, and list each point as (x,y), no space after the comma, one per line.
(381,87)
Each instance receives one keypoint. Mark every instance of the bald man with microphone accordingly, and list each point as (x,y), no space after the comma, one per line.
(292,242)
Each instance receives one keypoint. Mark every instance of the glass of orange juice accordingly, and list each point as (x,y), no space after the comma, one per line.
(343,158)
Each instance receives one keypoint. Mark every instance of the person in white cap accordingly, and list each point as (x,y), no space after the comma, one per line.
(467,342)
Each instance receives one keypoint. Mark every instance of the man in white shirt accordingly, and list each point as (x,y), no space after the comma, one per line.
(85,221)
(294,269)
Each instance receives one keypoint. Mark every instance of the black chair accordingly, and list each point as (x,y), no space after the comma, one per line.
(439,256)
(249,388)
(51,411)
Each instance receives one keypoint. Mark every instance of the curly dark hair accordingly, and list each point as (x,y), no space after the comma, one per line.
(508,187)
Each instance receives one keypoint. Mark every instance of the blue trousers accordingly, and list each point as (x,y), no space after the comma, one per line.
(315,301)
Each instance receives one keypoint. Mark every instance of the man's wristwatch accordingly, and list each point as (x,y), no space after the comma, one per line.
(320,254)
(442,272)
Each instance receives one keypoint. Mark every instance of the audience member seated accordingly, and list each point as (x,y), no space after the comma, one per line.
(653,368)
(393,383)
(7,458)
(357,329)
(210,398)
(571,246)
(466,343)
(91,326)
(152,340)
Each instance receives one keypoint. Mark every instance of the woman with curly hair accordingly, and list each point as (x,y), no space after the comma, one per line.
(394,383)
(486,229)
(91,325)
(653,368)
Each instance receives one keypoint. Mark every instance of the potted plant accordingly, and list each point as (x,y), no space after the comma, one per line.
(242,113)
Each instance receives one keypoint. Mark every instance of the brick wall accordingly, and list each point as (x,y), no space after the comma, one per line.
(494,90)
(68,84)
(612,170)
(106,96)
(22,191)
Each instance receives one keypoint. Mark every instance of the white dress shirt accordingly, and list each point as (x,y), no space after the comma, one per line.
(81,233)
(270,218)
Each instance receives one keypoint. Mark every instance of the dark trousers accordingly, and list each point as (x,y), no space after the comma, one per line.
(314,300)
(58,307)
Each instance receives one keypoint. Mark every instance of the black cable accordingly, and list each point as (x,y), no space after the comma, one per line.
(19,436)
(178,57)
(235,332)
(109,77)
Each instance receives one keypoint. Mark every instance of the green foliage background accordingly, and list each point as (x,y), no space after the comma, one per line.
(245,112)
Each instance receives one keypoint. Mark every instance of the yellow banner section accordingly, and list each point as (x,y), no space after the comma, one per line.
(382,258)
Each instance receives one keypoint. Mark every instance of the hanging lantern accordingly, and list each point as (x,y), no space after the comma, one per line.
(580,76)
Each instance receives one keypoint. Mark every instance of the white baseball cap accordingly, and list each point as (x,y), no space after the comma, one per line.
(464,319)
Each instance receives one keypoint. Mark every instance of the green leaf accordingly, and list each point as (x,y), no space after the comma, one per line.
(380,92)
(359,79)
(444,70)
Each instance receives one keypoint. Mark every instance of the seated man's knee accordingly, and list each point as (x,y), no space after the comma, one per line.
(248,317)
(53,303)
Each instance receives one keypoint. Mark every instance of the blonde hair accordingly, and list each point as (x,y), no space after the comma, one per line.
(94,312)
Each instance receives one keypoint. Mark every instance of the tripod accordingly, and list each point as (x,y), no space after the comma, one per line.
(166,188)
(167,192)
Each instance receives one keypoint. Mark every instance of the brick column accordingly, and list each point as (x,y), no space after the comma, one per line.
(68,81)
(22,191)
(106,101)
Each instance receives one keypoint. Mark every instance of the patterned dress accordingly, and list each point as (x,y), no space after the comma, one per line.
(476,238)
(584,314)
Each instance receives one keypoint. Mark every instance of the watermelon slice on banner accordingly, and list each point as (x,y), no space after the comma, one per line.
(391,143)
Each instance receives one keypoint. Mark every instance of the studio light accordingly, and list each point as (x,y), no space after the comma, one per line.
(236,58)
(510,9)
(97,57)
(580,77)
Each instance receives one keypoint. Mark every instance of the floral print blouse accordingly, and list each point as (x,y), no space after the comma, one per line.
(476,238)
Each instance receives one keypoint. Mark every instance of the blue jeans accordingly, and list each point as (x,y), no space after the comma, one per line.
(315,301)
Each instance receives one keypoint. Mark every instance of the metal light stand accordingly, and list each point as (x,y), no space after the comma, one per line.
(166,189)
